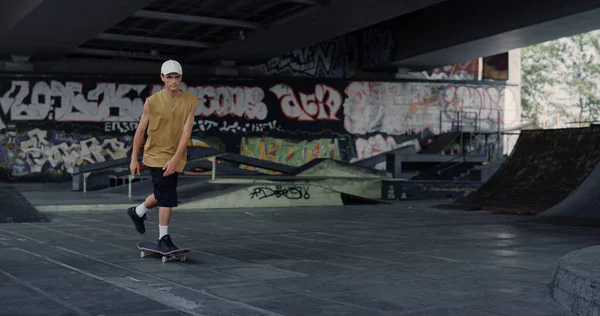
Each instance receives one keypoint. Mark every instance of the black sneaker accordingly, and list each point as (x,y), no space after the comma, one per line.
(137,221)
(165,244)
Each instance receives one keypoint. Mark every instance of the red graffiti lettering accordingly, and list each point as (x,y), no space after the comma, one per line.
(324,104)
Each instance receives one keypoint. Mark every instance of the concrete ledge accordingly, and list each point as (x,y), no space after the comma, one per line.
(576,281)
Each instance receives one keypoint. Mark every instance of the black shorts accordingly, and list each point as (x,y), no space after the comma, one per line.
(165,188)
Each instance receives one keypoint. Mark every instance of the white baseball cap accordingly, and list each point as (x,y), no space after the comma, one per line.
(171,66)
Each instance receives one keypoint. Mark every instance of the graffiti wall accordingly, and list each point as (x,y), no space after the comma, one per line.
(50,125)
(462,71)
(341,57)
(289,152)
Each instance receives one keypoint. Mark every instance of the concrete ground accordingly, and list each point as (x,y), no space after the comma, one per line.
(403,259)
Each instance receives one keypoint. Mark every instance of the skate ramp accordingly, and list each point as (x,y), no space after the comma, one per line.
(581,208)
(14,208)
(545,168)
(321,182)
(245,193)
(406,148)
(324,167)
(439,143)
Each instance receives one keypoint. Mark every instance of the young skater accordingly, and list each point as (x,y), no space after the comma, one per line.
(169,117)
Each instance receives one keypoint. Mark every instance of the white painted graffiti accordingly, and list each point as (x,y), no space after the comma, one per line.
(400,108)
(366,148)
(323,104)
(374,145)
(308,61)
(111,102)
(121,127)
(235,128)
(107,102)
(223,101)
(37,150)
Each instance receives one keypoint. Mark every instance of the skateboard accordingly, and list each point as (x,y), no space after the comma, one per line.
(150,248)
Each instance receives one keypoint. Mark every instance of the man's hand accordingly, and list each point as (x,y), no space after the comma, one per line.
(134,167)
(170,167)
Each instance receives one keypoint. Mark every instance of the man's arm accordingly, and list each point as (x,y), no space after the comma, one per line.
(134,166)
(139,132)
(185,136)
(171,165)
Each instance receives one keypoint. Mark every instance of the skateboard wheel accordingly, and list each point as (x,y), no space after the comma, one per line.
(142,254)
(164,259)
(182,258)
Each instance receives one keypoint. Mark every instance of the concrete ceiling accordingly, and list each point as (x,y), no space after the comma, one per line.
(476,29)
(193,31)
(428,33)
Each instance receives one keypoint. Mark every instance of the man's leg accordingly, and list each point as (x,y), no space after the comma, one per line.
(166,196)
(164,217)
(138,214)
(146,206)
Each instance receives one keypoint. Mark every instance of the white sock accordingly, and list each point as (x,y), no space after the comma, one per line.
(141,210)
(162,230)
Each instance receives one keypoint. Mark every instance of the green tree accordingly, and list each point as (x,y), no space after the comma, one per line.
(580,73)
(538,75)
(559,78)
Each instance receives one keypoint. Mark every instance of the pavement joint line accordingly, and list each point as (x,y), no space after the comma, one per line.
(99,229)
(356,237)
(153,229)
(159,297)
(298,258)
(44,293)
(239,304)
(77,236)
(318,249)
(60,232)
(160,311)
(79,207)
(252,249)
(362,246)
(27,237)
(257,250)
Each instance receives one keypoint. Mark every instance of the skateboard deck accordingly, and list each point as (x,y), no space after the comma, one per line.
(149,248)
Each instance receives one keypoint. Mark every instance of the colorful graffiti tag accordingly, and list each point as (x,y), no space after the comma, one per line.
(40,151)
(52,125)
(288,152)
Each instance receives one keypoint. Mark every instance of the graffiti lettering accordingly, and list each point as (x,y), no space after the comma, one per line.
(372,146)
(63,152)
(287,152)
(292,193)
(222,101)
(309,106)
(66,102)
(111,102)
(224,126)
(461,71)
(307,61)
(120,127)
(485,101)
(400,108)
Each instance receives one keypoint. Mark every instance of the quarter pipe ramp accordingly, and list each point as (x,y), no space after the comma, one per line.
(545,168)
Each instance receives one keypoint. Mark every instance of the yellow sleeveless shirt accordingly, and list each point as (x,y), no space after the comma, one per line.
(165,127)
